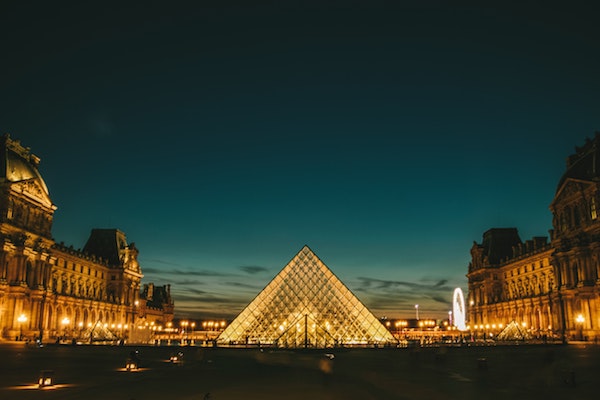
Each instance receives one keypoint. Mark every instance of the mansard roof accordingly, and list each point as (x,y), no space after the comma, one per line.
(498,244)
(19,166)
(17,163)
(106,243)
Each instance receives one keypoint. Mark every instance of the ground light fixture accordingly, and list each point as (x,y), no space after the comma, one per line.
(131,366)
(46,379)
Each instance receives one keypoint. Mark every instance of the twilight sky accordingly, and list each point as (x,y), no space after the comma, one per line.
(221,137)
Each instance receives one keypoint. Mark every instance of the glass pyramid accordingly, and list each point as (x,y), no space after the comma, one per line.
(306,305)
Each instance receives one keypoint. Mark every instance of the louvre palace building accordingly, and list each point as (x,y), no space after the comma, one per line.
(50,291)
(551,286)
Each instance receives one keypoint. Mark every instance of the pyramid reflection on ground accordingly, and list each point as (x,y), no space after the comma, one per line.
(306,305)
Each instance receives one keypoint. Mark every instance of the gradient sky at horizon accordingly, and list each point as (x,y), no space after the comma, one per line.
(222,137)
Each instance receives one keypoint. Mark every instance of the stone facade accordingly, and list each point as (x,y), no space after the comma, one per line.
(550,288)
(49,290)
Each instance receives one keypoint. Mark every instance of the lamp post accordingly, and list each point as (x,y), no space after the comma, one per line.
(580,320)
(134,311)
(22,319)
(80,324)
(183,325)
(65,322)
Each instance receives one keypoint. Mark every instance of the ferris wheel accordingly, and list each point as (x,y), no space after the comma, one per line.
(458,310)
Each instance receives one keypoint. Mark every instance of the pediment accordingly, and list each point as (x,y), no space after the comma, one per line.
(33,189)
(570,189)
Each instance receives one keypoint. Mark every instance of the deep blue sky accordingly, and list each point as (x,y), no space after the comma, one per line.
(221,138)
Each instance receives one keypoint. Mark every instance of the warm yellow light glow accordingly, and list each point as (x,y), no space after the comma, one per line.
(131,366)
(580,319)
(65,321)
(45,382)
(22,318)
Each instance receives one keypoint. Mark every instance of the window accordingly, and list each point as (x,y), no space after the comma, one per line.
(593,212)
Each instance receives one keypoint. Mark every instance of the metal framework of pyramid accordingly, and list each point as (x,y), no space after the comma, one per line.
(513,331)
(306,305)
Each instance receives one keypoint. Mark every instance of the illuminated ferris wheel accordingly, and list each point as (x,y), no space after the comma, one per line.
(459,310)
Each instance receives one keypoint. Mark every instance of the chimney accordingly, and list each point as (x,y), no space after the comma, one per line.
(150,292)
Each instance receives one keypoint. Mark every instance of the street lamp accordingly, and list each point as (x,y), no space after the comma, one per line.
(134,311)
(183,325)
(580,320)
(22,319)
(417,311)
(65,321)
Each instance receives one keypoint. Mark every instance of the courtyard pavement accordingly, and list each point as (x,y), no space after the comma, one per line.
(480,372)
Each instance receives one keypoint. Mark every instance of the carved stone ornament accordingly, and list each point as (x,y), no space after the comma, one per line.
(32,189)
(570,190)
(19,239)
(39,245)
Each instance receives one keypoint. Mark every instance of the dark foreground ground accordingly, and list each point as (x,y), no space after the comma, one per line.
(508,372)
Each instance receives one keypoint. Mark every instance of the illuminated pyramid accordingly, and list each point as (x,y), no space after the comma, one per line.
(306,305)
